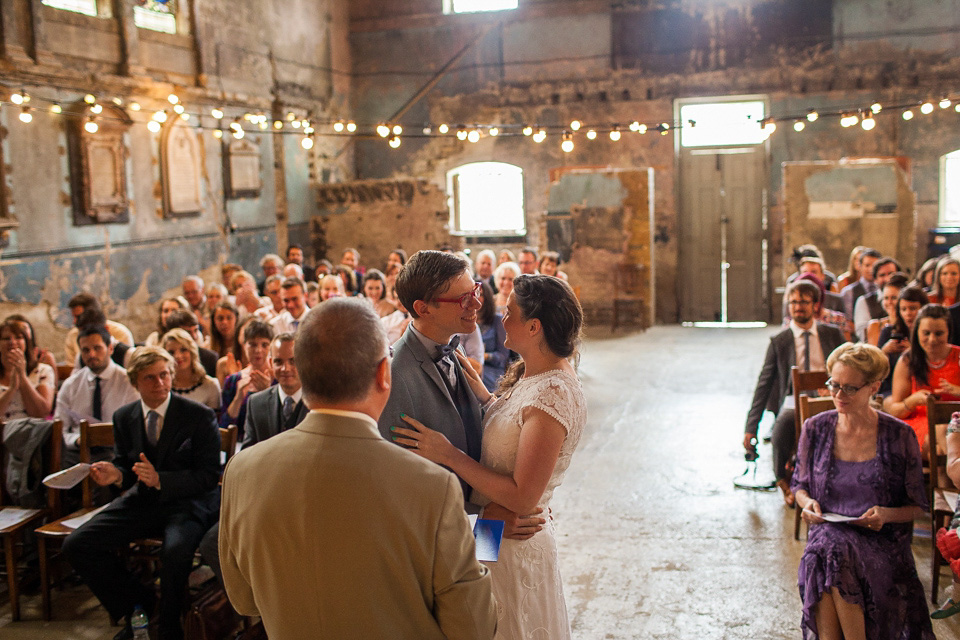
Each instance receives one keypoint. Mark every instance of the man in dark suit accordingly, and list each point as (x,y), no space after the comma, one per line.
(168,454)
(804,343)
(428,383)
(852,292)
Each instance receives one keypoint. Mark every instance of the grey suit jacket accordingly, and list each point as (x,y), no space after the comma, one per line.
(263,416)
(775,382)
(373,540)
(419,392)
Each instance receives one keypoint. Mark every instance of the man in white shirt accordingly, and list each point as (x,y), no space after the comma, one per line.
(869,306)
(93,392)
(78,305)
(293,292)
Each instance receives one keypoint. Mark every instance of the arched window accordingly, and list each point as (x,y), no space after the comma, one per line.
(950,189)
(486,199)
(472,6)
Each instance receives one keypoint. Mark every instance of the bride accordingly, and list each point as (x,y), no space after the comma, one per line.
(530,432)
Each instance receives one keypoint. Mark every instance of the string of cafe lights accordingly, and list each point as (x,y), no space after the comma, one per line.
(308,127)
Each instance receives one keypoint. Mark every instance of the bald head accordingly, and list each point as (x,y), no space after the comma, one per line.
(339,349)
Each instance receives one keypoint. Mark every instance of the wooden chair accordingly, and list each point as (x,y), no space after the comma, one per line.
(804,382)
(228,442)
(941,492)
(63,372)
(27,518)
(628,293)
(808,408)
(91,435)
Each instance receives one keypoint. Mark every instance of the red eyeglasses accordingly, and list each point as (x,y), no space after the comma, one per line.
(464,300)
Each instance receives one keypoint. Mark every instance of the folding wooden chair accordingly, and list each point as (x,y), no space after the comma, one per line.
(941,492)
(26,519)
(808,408)
(91,435)
(804,382)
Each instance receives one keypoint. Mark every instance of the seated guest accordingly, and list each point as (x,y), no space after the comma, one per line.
(295,256)
(852,274)
(810,253)
(351,258)
(946,282)
(41,355)
(375,291)
(272,288)
(496,356)
(550,265)
(167,306)
(187,321)
(858,579)
(216,293)
(324,268)
(805,343)
(27,387)
(889,296)
(951,605)
(869,307)
(396,323)
(828,316)
(483,268)
(346,578)
(349,278)
(227,271)
(256,376)
(504,275)
(924,277)
(244,290)
(528,261)
(931,365)
(78,304)
(294,297)
(168,463)
(313,293)
(94,317)
(270,264)
(895,339)
(193,293)
(506,256)
(190,379)
(293,271)
(395,262)
(223,329)
(864,285)
(93,392)
(331,287)
(231,363)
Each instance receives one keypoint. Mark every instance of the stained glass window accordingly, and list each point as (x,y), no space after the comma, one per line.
(156,15)
(86,7)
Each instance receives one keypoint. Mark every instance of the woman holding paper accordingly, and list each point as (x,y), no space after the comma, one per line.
(857,578)
(529,435)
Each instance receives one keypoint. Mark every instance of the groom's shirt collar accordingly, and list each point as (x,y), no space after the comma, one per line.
(428,343)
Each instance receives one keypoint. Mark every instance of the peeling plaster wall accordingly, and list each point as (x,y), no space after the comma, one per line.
(247,55)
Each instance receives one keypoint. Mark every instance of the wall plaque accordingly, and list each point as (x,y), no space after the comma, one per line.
(181,158)
(98,159)
(244,169)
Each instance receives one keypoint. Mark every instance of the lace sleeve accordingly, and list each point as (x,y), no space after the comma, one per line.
(561,398)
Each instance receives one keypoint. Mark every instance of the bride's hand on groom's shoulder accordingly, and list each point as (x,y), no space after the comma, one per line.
(515,527)
(473,378)
(423,441)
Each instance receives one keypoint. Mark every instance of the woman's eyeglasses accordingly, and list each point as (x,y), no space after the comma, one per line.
(847,389)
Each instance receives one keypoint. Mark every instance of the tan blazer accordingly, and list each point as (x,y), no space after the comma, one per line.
(329,531)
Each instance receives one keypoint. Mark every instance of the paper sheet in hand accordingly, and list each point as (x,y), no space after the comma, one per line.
(10,516)
(68,478)
(834,517)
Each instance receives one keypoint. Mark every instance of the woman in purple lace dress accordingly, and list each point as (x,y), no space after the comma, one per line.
(858,579)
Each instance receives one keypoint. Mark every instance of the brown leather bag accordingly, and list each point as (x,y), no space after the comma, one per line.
(211,616)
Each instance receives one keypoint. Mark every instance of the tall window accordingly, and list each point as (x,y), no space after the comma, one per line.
(950,189)
(722,123)
(156,15)
(486,199)
(86,7)
(472,6)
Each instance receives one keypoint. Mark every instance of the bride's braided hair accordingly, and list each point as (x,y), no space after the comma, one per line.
(551,301)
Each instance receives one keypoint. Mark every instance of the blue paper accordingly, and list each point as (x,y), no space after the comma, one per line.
(489,535)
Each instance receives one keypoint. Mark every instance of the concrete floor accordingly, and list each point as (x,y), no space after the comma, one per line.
(654,540)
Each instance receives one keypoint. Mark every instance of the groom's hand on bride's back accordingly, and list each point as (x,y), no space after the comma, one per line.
(515,527)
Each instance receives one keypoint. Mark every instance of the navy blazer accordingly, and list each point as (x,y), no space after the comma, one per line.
(775,382)
(187,455)
(264,415)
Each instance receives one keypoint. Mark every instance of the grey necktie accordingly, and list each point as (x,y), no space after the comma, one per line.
(287,408)
(153,427)
(806,351)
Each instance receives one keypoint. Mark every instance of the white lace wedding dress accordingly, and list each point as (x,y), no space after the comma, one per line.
(526,578)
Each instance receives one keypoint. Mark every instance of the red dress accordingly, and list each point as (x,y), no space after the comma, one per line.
(935,299)
(949,371)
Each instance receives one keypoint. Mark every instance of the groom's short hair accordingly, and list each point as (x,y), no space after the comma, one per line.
(426,275)
(337,351)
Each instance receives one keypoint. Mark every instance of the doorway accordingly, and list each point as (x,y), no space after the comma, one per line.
(723,178)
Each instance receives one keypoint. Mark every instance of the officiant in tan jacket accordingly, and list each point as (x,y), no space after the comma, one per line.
(329,531)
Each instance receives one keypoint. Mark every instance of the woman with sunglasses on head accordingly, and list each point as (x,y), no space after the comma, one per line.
(931,365)
(857,578)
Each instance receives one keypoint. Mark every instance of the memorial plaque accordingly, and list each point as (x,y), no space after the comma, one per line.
(244,169)
(98,175)
(181,158)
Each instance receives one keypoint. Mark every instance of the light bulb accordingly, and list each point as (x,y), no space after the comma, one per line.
(868,123)
(567,144)
(134,106)
(178,108)
(91,126)
(461,134)
(173,99)
(218,133)
(89,98)
(307,143)
(769,127)
(642,129)
(154,126)
(217,113)
(338,126)
(575,125)
(956,107)
(117,101)
(799,126)
(383,130)
(394,142)
(615,134)
(494,131)
(664,127)
(351,126)
(160,116)
(876,108)
(528,131)
(945,103)
(25,116)
(812,116)
(291,116)
(56,108)
(17,98)
(473,136)
(926,108)
(540,136)
(295,124)
(634,126)
(97,108)
(908,114)
(397,129)
(591,135)
(278,124)
(443,128)
(238,134)
(186,116)
(306,130)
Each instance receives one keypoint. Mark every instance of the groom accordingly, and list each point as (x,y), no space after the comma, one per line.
(428,382)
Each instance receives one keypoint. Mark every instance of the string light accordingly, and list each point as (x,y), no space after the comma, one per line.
(926,108)
(217,113)
(591,135)
(394,142)
(868,123)
(25,116)
(173,99)
(397,129)
(351,126)
(186,116)
(89,98)
(218,133)
(769,126)
(238,134)
(134,106)
(908,114)
(91,125)
(642,129)
(635,126)
(473,136)
(494,132)
(178,108)
(461,134)
(291,116)
(540,136)
(307,143)
(117,101)
(567,144)
(383,130)
(339,126)
(160,116)
(528,130)
(876,108)
(957,107)
(848,120)
(56,108)
(615,134)
(278,124)
(443,128)
(20,98)
(799,126)
(575,125)
(96,108)
(812,115)
(945,103)
(154,126)
(295,124)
